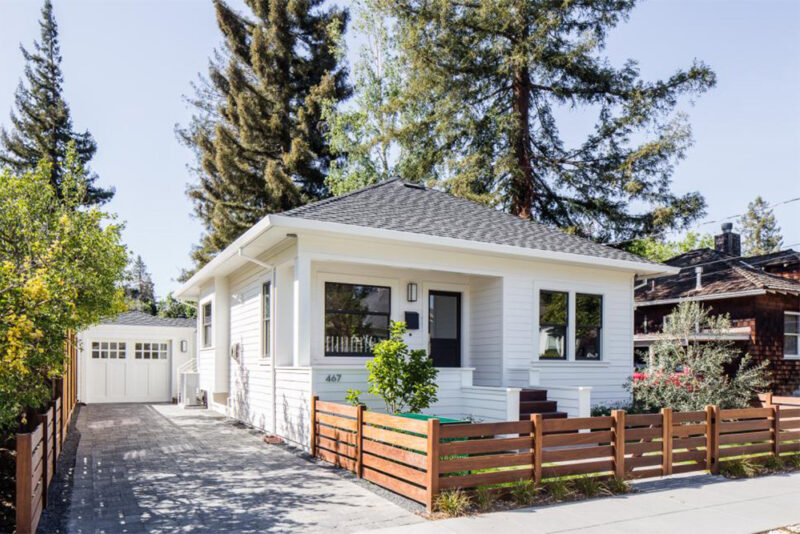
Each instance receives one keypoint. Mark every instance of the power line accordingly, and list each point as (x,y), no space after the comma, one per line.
(705,223)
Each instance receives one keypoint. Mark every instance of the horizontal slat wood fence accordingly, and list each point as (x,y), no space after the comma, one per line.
(38,451)
(419,459)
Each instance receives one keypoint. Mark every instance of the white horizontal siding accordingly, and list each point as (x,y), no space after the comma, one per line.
(486,330)
(456,397)
(251,376)
(293,399)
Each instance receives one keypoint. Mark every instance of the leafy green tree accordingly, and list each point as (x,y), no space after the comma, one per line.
(405,379)
(760,231)
(363,133)
(139,287)
(42,126)
(500,73)
(660,250)
(60,270)
(257,133)
(175,309)
(687,374)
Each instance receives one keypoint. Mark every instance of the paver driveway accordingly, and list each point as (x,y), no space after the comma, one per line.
(159,468)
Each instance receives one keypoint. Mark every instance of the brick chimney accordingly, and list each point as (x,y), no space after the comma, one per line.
(728,242)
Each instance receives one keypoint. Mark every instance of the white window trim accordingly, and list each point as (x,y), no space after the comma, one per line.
(318,298)
(792,356)
(572,291)
(266,355)
(203,346)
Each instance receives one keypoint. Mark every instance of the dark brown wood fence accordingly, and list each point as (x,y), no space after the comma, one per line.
(418,459)
(38,451)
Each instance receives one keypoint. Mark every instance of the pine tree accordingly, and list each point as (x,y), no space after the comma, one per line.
(139,287)
(257,134)
(42,126)
(760,231)
(502,72)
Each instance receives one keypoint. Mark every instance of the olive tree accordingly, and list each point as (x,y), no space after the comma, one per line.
(687,373)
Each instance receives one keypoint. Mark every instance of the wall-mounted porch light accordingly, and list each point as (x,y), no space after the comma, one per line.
(184,345)
(412,292)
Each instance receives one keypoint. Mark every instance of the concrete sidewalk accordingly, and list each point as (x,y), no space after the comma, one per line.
(685,504)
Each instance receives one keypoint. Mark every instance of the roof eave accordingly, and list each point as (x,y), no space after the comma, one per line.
(191,288)
(713,296)
(640,268)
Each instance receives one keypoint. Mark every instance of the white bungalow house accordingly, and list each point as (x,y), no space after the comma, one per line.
(292,308)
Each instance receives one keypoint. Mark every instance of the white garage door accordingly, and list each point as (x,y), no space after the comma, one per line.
(128,371)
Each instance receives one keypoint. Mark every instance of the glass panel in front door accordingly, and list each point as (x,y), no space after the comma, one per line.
(444,328)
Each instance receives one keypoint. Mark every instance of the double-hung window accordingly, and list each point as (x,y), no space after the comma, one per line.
(553,320)
(266,293)
(588,324)
(206,318)
(356,318)
(791,335)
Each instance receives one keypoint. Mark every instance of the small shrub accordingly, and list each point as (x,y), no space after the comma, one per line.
(774,463)
(587,486)
(741,468)
(523,492)
(557,489)
(453,503)
(484,498)
(793,461)
(616,486)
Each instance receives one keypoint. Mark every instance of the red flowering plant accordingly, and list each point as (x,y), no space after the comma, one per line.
(687,369)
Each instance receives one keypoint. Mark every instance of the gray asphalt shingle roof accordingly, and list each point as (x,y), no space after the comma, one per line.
(137,318)
(396,205)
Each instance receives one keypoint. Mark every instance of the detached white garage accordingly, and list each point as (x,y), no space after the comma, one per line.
(134,357)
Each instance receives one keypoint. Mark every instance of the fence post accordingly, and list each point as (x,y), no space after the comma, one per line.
(360,440)
(618,417)
(24,483)
(709,436)
(537,421)
(776,430)
(314,399)
(47,442)
(767,400)
(715,422)
(666,438)
(432,463)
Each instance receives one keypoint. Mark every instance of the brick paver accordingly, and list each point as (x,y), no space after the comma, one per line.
(159,468)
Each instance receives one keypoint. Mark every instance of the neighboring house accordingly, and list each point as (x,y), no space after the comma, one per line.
(134,357)
(293,307)
(761,294)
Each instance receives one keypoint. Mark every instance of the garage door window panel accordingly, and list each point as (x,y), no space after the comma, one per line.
(151,351)
(108,350)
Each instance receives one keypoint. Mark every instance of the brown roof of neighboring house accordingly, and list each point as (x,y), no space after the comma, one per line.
(722,274)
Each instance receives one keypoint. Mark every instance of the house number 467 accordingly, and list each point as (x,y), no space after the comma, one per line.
(333,378)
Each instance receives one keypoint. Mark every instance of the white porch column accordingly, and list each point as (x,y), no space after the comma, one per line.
(302,311)
(221,317)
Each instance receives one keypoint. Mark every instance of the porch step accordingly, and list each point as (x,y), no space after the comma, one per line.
(537,406)
(533,395)
(545,415)
(533,401)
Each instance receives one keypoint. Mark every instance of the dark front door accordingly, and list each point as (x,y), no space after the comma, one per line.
(444,328)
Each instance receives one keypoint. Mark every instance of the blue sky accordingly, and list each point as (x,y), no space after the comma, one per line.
(127,64)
